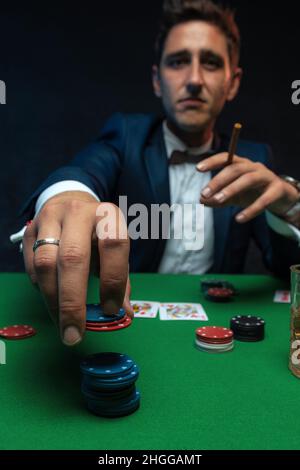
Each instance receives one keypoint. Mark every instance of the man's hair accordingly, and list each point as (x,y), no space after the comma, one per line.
(180,11)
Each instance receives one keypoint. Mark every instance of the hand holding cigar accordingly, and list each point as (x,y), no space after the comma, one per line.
(244,182)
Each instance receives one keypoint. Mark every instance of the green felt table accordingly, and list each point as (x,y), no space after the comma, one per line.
(244,399)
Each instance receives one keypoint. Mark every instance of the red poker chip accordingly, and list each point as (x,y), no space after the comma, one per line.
(124,323)
(214,333)
(220,292)
(214,337)
(17,332)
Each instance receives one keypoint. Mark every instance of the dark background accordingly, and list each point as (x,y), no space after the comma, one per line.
(67,69)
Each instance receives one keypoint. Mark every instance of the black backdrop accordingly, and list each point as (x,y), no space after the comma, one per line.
(67,69)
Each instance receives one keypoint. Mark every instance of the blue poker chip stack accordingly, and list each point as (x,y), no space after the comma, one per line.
(108,384)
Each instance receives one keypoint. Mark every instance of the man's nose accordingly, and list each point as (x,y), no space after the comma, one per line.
(193,89)
(195,79)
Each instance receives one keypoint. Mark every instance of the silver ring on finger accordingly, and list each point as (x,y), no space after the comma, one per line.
(45,241)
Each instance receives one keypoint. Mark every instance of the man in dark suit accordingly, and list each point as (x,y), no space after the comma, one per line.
(195,74)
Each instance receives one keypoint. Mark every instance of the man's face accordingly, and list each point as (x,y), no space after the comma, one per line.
(195,79)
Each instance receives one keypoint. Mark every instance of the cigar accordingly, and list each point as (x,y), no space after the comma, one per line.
(233,142)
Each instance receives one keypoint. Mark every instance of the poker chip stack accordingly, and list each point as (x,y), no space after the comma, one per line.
(219,294)
(248,328)
(96,320)
(108,384)
(215,339)
(218,290)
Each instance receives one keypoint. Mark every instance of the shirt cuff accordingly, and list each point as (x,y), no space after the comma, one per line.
(61,187)
(53,190)
(282,227)
(295,210)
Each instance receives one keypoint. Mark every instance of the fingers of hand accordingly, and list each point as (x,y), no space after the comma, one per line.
(114,253)
(44,263)
(216,161)
(73,264)
(259,205)
(251,177)
(223,179)
(28,255)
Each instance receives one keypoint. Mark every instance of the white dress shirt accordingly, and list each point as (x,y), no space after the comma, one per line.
(186,185)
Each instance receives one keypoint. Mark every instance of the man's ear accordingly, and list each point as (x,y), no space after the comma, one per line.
(235,83)
(156,81)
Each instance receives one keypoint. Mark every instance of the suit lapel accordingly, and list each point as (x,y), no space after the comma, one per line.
(156,163)
(157,167)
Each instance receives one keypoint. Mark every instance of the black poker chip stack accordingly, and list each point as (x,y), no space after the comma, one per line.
(248,328)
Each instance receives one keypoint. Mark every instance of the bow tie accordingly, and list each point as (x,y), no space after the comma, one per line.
(178,157)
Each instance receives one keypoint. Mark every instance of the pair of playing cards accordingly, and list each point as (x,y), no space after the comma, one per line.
(168,311)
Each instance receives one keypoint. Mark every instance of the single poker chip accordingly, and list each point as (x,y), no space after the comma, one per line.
(107,365)
(124,323)
(215,347)
(117,406)
(95,314)
(203,346)
(219,294)
(115,411)
(108,400)
(247,321)
(121,380)
(214,341)
(248,339)
(110,386)
(214,333)
(126,378)
(110,395)
(17,332)
(111,378)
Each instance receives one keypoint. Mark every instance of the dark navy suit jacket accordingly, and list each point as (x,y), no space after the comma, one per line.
(129,158)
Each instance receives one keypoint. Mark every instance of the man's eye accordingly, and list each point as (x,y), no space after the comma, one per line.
(211,64)
(176,63)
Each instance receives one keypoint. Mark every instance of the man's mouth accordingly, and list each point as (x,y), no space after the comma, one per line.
(192,101)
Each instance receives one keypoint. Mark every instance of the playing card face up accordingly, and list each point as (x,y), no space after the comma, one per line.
(182,311)
(145,309)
